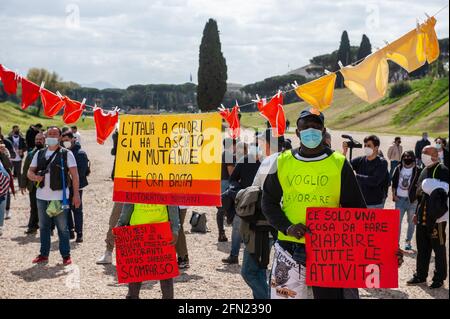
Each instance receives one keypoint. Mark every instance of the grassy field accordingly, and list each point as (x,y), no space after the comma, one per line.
(11,114)
(424,108)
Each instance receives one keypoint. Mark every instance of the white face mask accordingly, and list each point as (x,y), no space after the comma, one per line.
(368,151)
(67,144)
(51,141)
(426,160)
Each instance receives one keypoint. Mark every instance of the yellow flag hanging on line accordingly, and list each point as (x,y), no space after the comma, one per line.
(319,93)
(369,79)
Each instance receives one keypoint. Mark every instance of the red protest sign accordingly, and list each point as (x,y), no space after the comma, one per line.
(352,247)
(143,253)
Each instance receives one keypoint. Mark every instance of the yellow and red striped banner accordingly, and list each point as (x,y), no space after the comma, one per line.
(169,159)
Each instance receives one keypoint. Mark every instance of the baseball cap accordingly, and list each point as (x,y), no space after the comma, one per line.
(312,112)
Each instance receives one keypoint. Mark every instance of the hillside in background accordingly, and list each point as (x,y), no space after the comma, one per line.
(424,108)
(11,114)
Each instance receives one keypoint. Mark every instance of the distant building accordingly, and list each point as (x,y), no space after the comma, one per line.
(310,71)
(234,87)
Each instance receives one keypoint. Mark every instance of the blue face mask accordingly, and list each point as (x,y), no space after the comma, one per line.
(311,138)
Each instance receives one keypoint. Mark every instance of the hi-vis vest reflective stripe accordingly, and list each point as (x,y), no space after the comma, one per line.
(308,184)
(149,214)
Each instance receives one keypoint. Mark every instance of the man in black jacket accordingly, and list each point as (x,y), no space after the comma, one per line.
(26,184)
(242,176)
(371,172)
(404,187)
(430,231)
(76,214)
(307,163)
(420,144)
(20,147)
(30,135)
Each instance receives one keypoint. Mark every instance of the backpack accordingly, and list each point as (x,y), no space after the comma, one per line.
(248,203)
(198,223)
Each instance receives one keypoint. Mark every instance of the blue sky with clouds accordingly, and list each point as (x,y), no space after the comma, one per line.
(144,41)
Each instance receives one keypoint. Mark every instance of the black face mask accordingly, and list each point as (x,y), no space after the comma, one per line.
(408,161)
(39,146)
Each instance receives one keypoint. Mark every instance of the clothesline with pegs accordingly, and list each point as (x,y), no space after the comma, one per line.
(295,84)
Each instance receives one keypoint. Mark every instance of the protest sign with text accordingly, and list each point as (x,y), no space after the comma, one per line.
(143,253)
(352,248)
(169,159)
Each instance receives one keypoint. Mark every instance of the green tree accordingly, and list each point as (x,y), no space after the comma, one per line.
(212,69)
(345,56)
(365,48)
(51,79)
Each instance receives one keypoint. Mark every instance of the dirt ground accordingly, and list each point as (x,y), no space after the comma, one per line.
(207,277)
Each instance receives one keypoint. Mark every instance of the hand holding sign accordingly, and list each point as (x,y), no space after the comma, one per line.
(145,252)
(298,231)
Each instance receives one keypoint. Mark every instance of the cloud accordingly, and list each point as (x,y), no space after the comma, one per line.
(143,41)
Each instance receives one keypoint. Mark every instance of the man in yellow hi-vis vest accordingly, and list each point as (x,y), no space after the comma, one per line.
(140,214)
(310,176)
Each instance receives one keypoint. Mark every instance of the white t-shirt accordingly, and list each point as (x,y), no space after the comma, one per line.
(16,143)
(46,193)
(77,136)
(404,181)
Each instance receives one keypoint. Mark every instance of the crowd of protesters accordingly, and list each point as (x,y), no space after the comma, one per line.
(51,166)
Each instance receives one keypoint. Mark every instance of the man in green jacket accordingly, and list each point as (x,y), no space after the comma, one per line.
(26,184)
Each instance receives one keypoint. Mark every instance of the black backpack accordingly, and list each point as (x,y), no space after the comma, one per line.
(198,223)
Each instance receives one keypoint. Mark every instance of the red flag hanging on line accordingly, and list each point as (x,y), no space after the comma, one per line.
(30,93)
(274,113)
(51,102)
(232,118)
(9,79)
(72,110)
(105,123)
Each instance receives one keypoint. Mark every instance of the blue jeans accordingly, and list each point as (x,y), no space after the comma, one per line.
(255,277)
(404,205)
(45,224)
(297,251)
(2,210)
(235,236)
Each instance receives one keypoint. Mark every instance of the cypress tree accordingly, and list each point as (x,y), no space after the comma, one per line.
(212,69)
(365,48)
(343,55)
